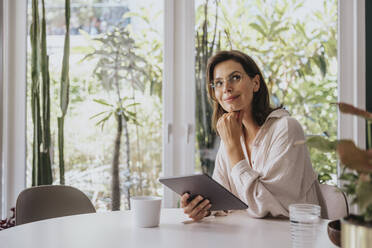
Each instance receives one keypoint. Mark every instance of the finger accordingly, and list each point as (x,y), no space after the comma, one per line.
(230,115)
(184,198)
(188,209)
(200,207)
(193,203)
(203,213)
(235,115)
(200,216)
(227,119)
(225,116)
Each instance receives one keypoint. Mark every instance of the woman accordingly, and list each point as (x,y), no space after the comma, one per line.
(257,160)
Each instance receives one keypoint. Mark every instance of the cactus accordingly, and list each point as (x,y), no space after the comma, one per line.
(64,93)
(40,97)
(41,163)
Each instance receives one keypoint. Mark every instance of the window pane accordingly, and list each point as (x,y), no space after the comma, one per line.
(122,74)
(295,44)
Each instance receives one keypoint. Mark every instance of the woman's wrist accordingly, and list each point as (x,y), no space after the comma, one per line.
(235,155)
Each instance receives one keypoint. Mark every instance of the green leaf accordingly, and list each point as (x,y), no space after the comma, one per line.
(350,177)
(130,112)
(300,27)
(258,28)
(322,178)
(274,24)
(278,31)
(263,22)
(102,121)
(368,213)
(83,50)
(103,102)
(321,143)
(132,105)
(322,65)
(94,116)
(364,194)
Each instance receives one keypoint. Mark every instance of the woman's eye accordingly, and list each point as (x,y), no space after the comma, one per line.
(218,84)
(236,77)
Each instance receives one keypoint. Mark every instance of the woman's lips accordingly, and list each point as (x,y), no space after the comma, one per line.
(231,98)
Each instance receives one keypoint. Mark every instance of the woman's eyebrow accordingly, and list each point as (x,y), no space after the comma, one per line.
(233,73)
(228,75)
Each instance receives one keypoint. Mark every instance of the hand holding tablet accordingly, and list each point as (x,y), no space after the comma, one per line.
(196,208)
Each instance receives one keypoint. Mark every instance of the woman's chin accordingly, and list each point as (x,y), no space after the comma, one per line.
(232,108)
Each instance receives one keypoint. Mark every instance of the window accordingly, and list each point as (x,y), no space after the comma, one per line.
(129,73)
(179,44)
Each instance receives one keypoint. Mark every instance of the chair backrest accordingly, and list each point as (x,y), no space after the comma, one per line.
(50,201)
(333,202)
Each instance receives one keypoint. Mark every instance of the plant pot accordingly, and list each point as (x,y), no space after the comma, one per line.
(334,232)
(355,233)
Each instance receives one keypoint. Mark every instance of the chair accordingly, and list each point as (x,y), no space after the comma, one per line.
(50,201)
(332,201)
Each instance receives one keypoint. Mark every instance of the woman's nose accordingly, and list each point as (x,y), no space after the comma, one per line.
(226,87)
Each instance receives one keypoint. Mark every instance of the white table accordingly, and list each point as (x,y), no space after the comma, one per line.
(115,229)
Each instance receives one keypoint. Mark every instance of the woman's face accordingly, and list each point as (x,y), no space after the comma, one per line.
(233,87)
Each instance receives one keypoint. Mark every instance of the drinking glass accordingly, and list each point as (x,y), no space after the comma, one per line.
(304,220)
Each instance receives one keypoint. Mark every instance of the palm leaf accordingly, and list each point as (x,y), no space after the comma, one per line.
(96,115)
(103,102)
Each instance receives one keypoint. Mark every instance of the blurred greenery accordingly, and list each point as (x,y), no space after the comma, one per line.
(296,49)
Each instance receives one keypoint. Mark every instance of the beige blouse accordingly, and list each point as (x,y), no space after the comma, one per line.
(280,173)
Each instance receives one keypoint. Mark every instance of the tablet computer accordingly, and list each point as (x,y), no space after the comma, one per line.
(204,185)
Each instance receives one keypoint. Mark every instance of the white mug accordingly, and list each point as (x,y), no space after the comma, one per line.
(146,210)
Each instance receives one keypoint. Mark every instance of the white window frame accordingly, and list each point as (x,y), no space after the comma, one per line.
(13,102)
(352,68)
(1,111)
(351,71)
(178,89)
(178,92)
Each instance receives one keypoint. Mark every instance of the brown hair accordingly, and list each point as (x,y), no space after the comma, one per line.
(261,101)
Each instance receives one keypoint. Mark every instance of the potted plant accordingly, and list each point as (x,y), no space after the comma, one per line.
(356,229)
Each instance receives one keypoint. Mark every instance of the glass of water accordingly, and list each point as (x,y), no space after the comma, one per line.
(304,220)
